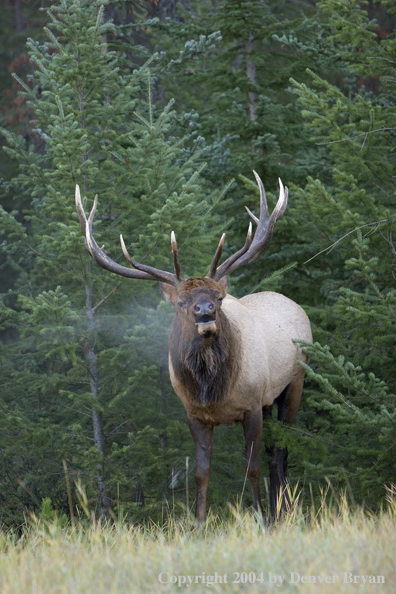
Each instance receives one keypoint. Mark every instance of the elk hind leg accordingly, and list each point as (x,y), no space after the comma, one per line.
(288,402)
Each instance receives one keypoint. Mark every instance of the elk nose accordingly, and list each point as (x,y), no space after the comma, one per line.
(204,307)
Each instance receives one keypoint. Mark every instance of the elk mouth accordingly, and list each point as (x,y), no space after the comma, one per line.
(206,325)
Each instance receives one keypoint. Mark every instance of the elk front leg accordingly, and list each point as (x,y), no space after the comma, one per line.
(253,428)
(203,437)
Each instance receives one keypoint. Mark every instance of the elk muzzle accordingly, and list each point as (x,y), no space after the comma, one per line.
(205,317)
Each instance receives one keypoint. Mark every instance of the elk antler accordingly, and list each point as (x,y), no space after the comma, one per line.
(99,255)
(252,250)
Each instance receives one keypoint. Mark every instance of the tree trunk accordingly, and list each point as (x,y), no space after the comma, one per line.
(97,419)
(18,16)
(251,74)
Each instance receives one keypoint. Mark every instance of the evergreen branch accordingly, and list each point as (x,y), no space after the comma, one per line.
(23,85)
(333,445)
(215,203)
(54,40)
(53,262)
(274,276)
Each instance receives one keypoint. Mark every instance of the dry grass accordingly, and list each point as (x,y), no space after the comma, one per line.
(120,559)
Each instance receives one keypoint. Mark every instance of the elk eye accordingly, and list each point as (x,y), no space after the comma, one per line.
(181,303)
(220,299)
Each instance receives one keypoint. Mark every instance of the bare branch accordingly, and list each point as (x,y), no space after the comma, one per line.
(106,298)
(353,137)
(330,247)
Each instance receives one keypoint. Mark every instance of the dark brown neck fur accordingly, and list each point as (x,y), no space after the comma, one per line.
(205,366)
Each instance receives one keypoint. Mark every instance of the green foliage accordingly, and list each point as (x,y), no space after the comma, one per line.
(49,517)
(350,405)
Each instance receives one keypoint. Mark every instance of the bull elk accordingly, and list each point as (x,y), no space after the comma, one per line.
(230,359)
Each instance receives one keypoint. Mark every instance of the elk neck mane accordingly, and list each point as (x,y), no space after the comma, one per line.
(206,366)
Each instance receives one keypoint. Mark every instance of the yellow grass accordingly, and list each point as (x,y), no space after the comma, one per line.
(120,559)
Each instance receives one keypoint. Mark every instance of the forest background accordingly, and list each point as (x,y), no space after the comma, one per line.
(163,109)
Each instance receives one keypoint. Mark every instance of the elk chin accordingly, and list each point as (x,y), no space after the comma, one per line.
(206,329)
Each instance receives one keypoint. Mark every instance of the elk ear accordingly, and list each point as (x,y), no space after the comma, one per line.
(223,282)
(168,291)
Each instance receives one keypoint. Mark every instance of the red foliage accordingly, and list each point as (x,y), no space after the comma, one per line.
(15,110)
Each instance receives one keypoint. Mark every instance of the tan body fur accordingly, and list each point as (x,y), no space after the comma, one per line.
(264,324)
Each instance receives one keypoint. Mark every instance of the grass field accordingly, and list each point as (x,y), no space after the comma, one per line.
(317,553)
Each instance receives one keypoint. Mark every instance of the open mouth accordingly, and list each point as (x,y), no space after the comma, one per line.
(205,319)
(206,325)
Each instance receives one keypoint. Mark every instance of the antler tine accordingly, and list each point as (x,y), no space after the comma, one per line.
(176,260)
(223,269)
(263,196)
(265,227)
(252,216)
(102,259)
(216,258)
(80,209)
(282,201)
(88,234)
(86,224)
(162,275)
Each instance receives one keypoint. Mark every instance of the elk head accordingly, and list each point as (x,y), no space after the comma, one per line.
(198,302)
(198,299)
